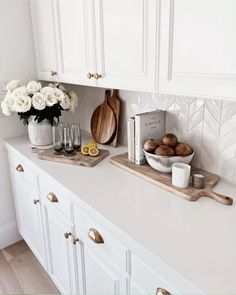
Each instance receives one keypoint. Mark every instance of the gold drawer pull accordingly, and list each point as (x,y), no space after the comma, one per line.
(53,73)
(161,291)
(74,241)
(19,168)
(97,76)
(67,234)
(89,75)
(52,198)
(95,236)
(35,201)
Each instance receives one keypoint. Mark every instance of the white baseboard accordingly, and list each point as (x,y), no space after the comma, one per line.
(9,235)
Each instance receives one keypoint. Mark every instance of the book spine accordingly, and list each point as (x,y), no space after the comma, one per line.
(137,140)
(131,141)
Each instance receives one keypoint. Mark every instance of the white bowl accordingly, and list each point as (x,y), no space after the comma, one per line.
(164,163)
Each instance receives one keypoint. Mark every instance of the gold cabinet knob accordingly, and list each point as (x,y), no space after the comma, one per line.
(89,75)
(53,73)
(19,168)
(74,241)
(161,291)
(35,201)
(67,234)
(95,236)
(97,76)
(52,198)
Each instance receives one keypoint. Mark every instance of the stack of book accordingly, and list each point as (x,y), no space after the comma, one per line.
(142,127)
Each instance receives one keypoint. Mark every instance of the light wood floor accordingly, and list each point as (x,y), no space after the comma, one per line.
(21,273)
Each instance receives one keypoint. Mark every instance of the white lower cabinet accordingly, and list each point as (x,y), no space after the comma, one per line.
(28,212)
(83,252)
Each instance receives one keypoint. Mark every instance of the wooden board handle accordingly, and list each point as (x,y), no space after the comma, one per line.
(219,198)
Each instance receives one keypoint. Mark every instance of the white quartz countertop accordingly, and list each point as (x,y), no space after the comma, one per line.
(197,239)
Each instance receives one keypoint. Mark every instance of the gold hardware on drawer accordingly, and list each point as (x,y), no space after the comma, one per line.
(53,73)
(97,76)
(161,291)
(67,234)
(89,75)
(52,198)
(74,241)
(35,201)
(19,168)
(95,236)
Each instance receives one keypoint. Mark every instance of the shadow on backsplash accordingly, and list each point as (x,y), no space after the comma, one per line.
(208,125)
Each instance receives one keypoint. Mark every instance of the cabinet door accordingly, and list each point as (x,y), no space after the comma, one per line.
(197,48)
(126,47)
(59,255)
(42,13)
(29,218)
(76,59)
(98,275)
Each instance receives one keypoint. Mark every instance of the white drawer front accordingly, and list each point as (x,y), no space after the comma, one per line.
(112,249)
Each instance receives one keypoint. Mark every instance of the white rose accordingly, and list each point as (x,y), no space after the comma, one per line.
(50,96)
(9,100)
(65,102)
(6,109)
(12,85)
(39,101)
(22,103)
(33,87)
(74,101)
(20,91)
(59,94)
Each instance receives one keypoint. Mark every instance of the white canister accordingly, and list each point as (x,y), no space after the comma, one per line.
(181,174)
(40,134)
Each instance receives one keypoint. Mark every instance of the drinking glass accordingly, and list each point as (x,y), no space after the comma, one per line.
(68,145)
(57,139)
(63,125)
(76,136)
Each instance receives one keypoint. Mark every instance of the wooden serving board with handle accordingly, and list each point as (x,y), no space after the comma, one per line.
(163,180)
(115,104)
(103,122)
(77,159)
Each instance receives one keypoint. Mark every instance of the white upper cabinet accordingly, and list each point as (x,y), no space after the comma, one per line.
(198,48)
(126,36)
(45,39)
(75,48)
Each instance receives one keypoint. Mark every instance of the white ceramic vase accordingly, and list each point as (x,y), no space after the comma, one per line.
(40,134)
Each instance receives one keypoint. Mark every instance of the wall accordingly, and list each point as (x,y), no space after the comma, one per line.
(16,62)
(208,125)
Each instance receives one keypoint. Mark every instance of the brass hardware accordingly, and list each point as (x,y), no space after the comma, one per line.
(67,234)
(95,236)
(161,291)
(52,198)
(89,75)
(97,76)
(35,201)
(19,168)
(53,73)
(74,241)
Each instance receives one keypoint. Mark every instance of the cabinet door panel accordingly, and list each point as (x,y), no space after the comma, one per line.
(58,249)
(99,276)
(29,217)
(198,46)
(75,51)
(44,38)
(126,43)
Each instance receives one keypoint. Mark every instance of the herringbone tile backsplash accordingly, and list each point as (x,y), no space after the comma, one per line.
(208,125)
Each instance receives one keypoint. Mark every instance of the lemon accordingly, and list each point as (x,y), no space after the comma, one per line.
(85,150)
(93,151)
(91,144)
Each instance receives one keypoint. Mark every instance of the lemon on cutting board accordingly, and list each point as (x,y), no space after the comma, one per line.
(93,151)
(91,144)
(85,150)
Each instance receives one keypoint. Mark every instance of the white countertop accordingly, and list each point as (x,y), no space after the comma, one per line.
(197,239)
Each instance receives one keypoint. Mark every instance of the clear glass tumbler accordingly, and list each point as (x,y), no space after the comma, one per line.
(57,139)
(68,145)
(76,136)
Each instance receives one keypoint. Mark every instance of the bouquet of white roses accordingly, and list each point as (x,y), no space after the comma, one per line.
(44,103)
